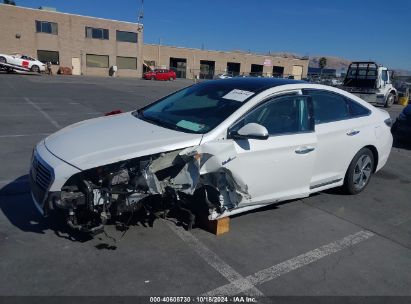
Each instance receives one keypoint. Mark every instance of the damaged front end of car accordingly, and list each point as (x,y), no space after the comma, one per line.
(192,181)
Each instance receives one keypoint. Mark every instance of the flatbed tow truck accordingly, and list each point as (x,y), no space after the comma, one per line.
(10,68)
(371,82)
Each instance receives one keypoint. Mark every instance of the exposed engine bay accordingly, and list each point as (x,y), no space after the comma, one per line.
(188,180)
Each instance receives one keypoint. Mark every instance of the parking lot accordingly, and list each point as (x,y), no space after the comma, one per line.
(327,244)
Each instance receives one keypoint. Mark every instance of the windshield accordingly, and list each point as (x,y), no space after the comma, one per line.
(199,108)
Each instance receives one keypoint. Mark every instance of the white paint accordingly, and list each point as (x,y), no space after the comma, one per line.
(278,270)
(236,280)
(47,116)
(109,139)
(238,95)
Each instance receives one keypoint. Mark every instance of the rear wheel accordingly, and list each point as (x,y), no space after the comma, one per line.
(3,60)
(171,79)
(359,172)
(152,78)
(35,69)
(390,100)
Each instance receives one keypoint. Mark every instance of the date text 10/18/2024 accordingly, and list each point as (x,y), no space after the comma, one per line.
(204,299)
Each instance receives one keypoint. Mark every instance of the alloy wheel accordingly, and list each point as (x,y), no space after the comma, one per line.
(362,171)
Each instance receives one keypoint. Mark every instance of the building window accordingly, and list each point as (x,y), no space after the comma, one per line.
(46,27)
(97,61)
(48,56)
(96,33)
(129,63)
(127,36)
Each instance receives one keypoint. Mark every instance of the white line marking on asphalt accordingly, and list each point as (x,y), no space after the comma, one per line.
(23,135)
(47,116)
(278,270)
(212,259)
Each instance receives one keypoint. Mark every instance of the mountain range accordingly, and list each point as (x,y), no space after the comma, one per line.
(342,64)
(333,62)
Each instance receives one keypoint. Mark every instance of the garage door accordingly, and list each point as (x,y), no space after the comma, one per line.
(297,71)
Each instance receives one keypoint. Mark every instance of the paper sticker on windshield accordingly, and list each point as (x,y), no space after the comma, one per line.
(238,95)
(189,125)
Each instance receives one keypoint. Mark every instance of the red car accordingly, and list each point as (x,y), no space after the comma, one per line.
(160,74)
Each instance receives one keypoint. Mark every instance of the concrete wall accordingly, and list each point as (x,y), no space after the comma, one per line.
(70,41)
(161,55)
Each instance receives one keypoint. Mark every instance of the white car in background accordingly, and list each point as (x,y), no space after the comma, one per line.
(23,61)
(224,76)
(214,149)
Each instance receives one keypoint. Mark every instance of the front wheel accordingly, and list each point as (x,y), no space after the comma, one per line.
(3,60)
(359,172)
(390,100)
(152,78)
(35,69)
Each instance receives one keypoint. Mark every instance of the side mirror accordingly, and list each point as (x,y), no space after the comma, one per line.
(250,131)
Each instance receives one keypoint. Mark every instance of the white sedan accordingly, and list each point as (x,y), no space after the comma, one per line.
(224,76)
(214,149)
(23,61)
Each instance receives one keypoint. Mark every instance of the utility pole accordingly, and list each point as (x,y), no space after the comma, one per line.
(140,16)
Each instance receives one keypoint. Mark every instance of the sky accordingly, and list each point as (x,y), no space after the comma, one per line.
(377,30)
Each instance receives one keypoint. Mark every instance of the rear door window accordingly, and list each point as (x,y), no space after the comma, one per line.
(328,106)
(356,110)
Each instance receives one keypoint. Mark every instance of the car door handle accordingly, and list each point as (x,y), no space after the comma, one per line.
(304,150)
(352,132)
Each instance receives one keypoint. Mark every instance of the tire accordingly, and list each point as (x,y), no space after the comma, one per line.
(152,78)
(171,79)
(359,172)
(35,69)
(389,101)
(3,60)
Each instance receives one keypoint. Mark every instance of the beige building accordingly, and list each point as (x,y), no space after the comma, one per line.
(190,63)
(91,46)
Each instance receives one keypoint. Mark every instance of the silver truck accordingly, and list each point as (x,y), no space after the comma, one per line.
(371,82)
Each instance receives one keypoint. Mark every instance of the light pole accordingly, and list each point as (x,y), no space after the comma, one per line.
(159,46)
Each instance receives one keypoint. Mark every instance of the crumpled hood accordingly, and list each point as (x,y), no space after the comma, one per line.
(105,140)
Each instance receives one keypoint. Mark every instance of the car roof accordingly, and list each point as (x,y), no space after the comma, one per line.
(254,84)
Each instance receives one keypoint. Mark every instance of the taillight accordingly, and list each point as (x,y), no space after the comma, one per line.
(388,122)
